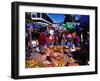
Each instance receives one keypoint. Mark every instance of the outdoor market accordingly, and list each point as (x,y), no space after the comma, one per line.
(56,40)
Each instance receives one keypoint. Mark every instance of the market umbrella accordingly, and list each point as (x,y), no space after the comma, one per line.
(70,27)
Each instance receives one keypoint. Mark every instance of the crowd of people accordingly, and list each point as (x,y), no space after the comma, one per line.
(51,47)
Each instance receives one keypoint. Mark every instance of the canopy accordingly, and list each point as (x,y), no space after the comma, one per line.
(70,27)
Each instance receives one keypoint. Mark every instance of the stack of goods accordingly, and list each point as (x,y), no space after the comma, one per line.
(30,63)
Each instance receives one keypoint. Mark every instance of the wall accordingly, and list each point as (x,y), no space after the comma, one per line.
(5,40)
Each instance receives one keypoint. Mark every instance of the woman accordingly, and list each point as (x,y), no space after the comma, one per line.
(42,42)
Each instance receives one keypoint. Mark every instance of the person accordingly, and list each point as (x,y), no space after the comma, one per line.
(78,40)
(64,39)
(56,41)
(51,37)
(51,31)
(33,34)
(60,38)
(67,51)
(35,45)
(42,42)
(47,40)
(27,37)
